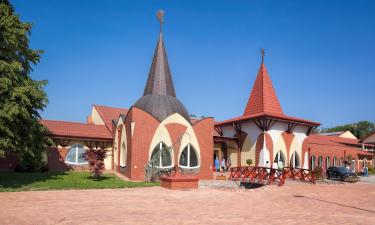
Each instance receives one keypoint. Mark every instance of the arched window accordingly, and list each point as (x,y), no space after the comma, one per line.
(313,163)
(341,161)
(280,157)
(335,161)
(123,154)
(294,160)
(320,161)
(328,162)
(161,156)
(189,157)
(76,155)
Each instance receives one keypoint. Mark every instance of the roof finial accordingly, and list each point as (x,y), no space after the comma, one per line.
(263,54)
(160,16)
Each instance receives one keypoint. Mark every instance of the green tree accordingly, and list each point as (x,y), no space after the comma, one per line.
(360,129)
(21,97)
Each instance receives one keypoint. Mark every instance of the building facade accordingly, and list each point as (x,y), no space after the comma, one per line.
(264,135)
(157,129)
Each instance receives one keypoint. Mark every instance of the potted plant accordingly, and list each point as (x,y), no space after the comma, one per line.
(249,162)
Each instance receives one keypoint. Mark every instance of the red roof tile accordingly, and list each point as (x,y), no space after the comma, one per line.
(110,113)
(331,140)
(263,102)
(76,130)
(263,98)
(369,135)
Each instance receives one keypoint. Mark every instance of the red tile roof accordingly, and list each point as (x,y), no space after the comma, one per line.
(330,140)
(271,115)
(335,142)
(263,102)
(110,113)
(369,135)
(76,130)
(263,98)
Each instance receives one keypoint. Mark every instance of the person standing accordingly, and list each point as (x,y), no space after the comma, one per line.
(268,165)
(223,165)
(229,163)
(217,164)
(275,167)
(280,165)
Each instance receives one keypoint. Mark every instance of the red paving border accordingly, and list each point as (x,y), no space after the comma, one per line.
(290,204)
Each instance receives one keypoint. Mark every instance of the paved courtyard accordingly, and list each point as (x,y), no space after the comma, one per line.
(292,204)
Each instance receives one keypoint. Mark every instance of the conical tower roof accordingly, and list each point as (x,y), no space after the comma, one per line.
(159,80)
(263,98)
(159,96)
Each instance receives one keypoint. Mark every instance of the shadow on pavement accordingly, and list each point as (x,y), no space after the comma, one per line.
(334,203)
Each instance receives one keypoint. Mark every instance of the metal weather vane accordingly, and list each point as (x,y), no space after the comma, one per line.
(263,52)
(160,16)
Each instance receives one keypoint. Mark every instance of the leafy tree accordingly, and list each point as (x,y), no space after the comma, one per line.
(360,129)
(21,97)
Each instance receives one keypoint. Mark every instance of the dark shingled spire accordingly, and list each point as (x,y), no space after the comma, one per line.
(160,79)
(159,97)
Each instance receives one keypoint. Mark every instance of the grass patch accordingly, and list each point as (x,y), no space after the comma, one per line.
(11,182)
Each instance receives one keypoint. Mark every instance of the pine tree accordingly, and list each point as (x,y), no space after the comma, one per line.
(21,97)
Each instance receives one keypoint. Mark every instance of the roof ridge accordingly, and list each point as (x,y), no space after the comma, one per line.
(109,106)
(80,123)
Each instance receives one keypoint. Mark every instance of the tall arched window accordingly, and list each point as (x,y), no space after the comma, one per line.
(334,161)
(313,163)
(123,154)
(328,162)
(76,155)
(294,160)
(280,157)
(189,157)
(341,161)
(161,156)
(320,161)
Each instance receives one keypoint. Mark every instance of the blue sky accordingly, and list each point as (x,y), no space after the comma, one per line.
(319,54)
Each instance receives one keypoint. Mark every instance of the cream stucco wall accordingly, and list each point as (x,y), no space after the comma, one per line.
(348,134)
(279,146)
(107,161)
(162,135)
(95,117)
(249,146)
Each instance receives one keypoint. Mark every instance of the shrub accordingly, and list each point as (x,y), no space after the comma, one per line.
(44,169)
(371,170)
(249,162)
(96,161)
(319,172)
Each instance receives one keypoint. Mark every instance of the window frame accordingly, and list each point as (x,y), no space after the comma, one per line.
(160,166)
(76,147)
(188,158)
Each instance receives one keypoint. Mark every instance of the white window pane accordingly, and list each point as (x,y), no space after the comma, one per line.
(71,156)
(81,155)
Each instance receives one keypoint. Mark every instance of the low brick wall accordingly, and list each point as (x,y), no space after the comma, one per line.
(180,182)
